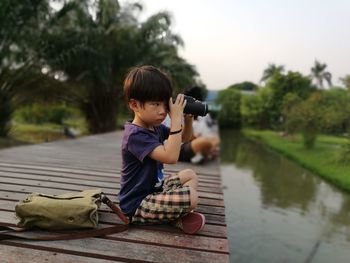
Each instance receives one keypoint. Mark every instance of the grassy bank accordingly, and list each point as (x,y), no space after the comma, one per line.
(322,160)
(25,133)
(30,134)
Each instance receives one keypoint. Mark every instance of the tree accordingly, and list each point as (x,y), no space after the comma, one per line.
(305,116)
(81,53)
(229,115)
(290,103)
(319,74)
(346,82)
(270,71)
(93,51)
(336,108)
(245,86)
(255,109)
(282,84)
(19,23)
(158,46)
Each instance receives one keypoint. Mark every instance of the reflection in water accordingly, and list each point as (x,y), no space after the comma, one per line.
(277,211)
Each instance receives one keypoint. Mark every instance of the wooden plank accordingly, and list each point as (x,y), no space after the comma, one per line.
(8,199)
(50,167)
(175,238)
(93,174)
(118,250)
(18,195)
(8,218)
(10,177)
(107,216)
(28,186)
(93,161)
(17,254)
(28,172)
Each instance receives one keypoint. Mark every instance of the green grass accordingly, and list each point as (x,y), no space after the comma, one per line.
(322,159)
(24,133)
(10,142)
(33,133)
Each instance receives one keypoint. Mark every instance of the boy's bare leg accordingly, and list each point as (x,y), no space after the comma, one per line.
(192,222)
(189,178)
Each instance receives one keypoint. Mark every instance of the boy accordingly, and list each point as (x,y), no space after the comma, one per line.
(145,197)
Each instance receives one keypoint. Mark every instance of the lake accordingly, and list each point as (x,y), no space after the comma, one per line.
(277,211)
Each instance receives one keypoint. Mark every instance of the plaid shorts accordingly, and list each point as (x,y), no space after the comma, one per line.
(162,207)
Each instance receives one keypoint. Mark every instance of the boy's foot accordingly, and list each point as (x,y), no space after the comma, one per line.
(198,158)
(191,223)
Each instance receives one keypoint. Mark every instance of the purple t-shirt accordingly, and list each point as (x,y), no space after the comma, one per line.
(140,175)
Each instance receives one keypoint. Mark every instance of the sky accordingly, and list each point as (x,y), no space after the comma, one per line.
(230,41)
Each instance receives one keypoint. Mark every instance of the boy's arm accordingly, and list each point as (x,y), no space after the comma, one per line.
(169,152)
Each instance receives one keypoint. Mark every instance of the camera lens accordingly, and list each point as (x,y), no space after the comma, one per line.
(195,107)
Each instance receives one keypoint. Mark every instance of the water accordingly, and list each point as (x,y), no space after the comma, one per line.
(277,211)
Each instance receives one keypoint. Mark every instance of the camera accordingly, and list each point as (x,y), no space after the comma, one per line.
(195,107)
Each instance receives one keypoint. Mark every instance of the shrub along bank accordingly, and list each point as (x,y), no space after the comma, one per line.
(326,159)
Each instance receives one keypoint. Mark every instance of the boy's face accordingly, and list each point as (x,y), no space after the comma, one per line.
(151,113)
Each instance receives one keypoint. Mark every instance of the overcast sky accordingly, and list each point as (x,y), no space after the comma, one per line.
(231,41)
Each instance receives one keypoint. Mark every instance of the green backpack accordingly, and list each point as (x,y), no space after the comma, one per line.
(56,212)
(62,212)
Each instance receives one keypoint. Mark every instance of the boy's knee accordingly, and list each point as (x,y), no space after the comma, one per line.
(188,178)
(194,198)
(190,173)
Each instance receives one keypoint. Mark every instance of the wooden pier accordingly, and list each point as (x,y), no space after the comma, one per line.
(94,162)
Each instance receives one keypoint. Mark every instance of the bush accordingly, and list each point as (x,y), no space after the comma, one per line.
(291,119)
(343,155)
(282,84)
(229,115)
(336,109)
(255,109)
(305,116)
(38,113)
(246,86)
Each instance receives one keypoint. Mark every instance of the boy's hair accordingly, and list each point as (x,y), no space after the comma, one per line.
(147,83)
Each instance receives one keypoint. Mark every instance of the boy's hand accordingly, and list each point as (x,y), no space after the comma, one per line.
(176,110)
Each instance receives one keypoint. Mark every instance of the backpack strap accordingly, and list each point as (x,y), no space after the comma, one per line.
(7,232)
(115,208)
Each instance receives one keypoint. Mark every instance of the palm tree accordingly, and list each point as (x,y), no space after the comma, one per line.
(159,47)
(270,71)
(93,53)
(80,57)
(19,23)
(22,86)
(319,74)
(346,82)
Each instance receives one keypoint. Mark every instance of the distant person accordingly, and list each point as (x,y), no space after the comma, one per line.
(68,133)
(145,195)
(197,149)
(204,144)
